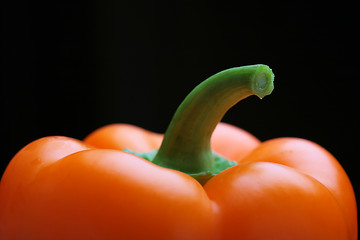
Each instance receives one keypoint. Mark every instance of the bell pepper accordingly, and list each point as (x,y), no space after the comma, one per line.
(202,179)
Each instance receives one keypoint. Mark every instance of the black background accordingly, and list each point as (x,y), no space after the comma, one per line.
(68,68)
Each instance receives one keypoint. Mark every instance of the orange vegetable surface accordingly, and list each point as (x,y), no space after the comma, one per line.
(284,188)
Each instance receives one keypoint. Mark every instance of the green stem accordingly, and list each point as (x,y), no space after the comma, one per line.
(186,144)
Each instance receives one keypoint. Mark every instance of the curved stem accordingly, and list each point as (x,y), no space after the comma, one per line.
(186,144)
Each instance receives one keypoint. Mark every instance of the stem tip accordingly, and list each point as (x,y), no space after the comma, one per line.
(263,81)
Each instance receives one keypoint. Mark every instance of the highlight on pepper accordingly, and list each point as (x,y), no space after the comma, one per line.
(201,179)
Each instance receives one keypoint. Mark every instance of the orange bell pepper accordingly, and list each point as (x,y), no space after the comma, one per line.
(207,180)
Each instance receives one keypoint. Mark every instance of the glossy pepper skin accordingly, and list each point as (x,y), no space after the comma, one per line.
(284,188)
